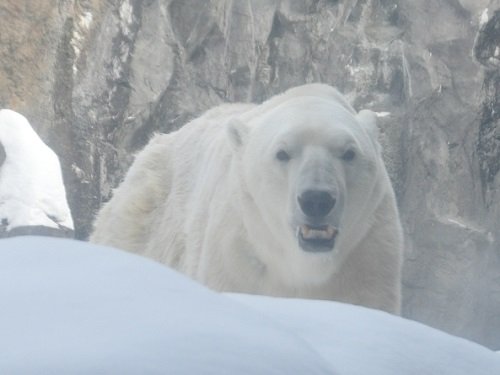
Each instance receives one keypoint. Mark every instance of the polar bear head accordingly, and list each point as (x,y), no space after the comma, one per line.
(309,168)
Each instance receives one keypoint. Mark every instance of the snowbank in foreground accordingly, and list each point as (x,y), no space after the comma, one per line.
(358,340)
(32,192)
(73,307)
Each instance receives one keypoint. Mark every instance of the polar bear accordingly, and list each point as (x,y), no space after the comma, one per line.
(287,198)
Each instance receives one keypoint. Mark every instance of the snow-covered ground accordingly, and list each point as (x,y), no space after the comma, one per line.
(71,307)
(31,185)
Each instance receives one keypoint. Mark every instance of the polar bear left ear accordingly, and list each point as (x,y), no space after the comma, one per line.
(368,120)
(237,132)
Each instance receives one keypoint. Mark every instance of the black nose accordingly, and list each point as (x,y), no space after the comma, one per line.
(316,203)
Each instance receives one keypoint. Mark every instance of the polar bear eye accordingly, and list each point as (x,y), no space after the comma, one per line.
(349,155)
(282,155)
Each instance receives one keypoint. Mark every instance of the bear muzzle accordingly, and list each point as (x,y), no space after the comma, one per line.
(315,230)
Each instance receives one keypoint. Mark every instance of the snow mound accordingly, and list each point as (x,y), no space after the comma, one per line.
(32,192)
(70,307)
(75,307)
(364,341)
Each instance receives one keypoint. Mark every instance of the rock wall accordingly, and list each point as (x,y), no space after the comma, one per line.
(96,78)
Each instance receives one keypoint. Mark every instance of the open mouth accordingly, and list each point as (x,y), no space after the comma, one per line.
(316,238)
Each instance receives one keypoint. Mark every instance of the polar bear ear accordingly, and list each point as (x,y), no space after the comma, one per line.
(368,120)
(237,132)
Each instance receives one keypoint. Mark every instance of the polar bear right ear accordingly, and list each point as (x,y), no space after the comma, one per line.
(368,120)
(237,132)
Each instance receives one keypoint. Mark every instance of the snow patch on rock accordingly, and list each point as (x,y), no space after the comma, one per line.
(31,186)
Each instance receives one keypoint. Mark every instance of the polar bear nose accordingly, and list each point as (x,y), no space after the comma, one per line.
(316,203)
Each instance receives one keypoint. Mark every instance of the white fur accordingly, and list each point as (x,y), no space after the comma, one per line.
(212,201)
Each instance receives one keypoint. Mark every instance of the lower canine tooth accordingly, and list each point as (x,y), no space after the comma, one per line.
(331,231)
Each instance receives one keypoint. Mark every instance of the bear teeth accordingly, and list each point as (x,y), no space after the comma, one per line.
(327,232)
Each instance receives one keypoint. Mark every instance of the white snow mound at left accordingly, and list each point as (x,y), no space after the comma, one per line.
(32,191)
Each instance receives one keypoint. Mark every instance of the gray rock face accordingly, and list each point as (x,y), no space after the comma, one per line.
(97,78)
